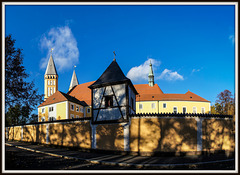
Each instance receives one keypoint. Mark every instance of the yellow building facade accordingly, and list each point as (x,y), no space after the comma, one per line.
(151,99)
(172,106)
(60,107)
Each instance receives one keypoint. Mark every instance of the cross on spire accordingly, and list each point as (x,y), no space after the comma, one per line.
(114,56)
(51,50)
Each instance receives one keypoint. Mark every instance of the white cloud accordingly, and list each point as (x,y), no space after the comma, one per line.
(170,75)
(65,53)
(141,72)
(232,39)
(195,70)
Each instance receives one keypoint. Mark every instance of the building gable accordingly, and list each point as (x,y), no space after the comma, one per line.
(110,96)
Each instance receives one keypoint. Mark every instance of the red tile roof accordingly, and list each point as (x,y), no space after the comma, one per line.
(147,93)
(60,97)
(146,89)
(82,92)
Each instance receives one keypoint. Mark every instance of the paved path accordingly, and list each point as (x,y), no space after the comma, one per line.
(120,160)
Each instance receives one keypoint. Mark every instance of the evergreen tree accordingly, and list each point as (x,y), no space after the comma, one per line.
(20,96)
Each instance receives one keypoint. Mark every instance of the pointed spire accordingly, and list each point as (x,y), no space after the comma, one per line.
(74,80)
(150,70)
(114,59)
(51,69)
(150,75)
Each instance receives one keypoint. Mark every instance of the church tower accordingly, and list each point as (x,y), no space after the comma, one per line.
(74,81)
(150,76)
(50,79)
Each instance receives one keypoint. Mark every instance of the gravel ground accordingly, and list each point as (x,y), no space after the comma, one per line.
(18,159)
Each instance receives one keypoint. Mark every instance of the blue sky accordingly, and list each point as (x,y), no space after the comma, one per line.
(191,47)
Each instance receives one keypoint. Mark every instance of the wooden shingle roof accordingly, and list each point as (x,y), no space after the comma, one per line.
(113,74)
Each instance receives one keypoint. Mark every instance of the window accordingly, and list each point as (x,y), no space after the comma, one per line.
(48,82)
(81,109)
(194,110)
(52,118)
(184,109)
(53,82)
(43,110)
(77,108)
(43,119)
(88,110)
(153,105)
(48,91)
(72,116)
(72,107)
(140,106)
(164,105)
(108,101)
(50,109)
(203,110)
(51,91)
(77,116)
(175,110)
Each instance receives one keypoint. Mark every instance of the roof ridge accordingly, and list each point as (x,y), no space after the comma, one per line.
(195,94)
(68,97)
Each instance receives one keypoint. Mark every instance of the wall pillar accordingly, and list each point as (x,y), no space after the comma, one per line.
(126,136)
(67,110)
(93,137)
(7,134)
(199,133)
(21,133)
(47,133)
